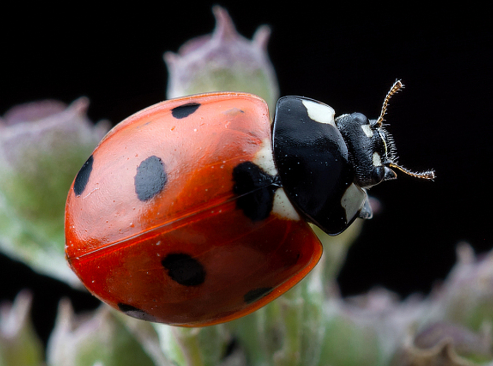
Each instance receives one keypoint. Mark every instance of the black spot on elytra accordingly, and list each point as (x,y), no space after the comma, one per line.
(258,293)
(150,178)
(83,176)
(135,312)
(184,269)
(184,110)
(255,189)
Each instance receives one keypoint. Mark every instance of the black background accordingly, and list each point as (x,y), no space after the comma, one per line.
(347,55)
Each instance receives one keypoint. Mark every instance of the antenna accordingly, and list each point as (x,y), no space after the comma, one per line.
(428,174)
(395,88)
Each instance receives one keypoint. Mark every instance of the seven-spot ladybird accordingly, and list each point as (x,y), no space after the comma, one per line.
(195,211)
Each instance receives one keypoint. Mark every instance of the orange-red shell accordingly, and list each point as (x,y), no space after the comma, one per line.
(186,254)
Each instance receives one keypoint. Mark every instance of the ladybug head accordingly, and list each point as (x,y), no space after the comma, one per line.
(371,147)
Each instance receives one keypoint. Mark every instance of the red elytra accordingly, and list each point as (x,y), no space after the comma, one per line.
(163,223)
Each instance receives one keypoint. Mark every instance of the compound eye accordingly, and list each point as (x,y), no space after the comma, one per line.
(377,175)
(389,174)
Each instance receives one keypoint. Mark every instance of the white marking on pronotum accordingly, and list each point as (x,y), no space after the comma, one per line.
(283,206)
(367,130)
(376,159)
(319,112)
(352,200)
(264,158)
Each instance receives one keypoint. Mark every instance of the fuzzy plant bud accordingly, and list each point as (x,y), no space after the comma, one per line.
(446,344)
(19,344)
(348,338)
(197,346)
(223,61)
(466,296)
(42,146)
(366,329)
(96,338)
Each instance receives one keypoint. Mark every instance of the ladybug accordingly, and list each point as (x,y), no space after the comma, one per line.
(196,211)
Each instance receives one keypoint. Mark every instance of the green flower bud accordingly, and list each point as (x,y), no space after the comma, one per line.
(370,328)
(19,344)
(196,346)
(96,338)
(42,146)
(350,337)
(223,61)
